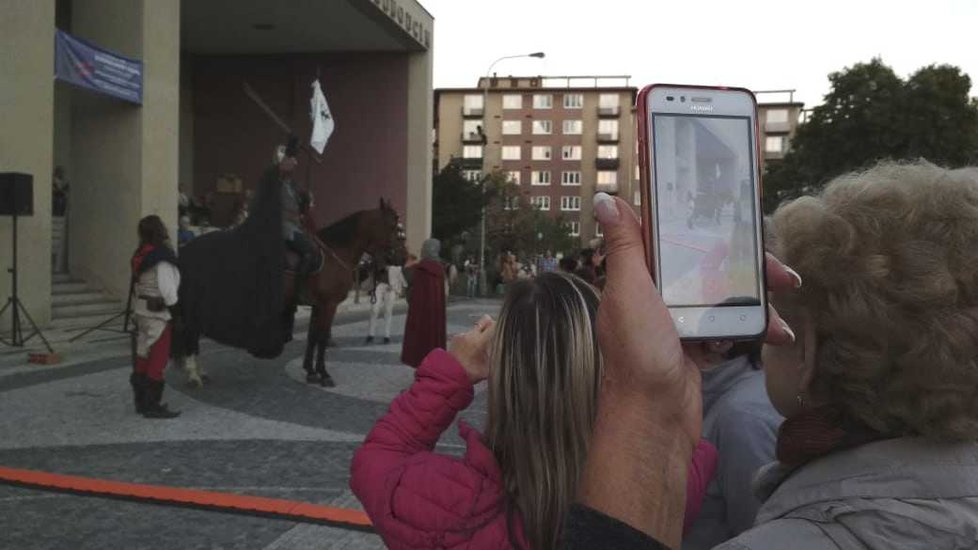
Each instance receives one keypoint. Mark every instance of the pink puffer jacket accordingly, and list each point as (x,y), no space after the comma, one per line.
(419,499)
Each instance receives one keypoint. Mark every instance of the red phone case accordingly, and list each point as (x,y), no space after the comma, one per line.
(645,163)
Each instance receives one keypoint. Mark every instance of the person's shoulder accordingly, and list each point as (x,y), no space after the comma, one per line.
(794,533)
(747,396)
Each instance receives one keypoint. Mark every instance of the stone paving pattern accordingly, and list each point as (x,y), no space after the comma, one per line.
(256,429)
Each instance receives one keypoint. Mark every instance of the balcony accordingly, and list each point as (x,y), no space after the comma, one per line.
(606,164)
(607,137)
(472,112)
(609,188)
(474,137)
(777,127)
(471,163)
(608,111)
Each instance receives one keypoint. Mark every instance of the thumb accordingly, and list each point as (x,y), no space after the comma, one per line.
(624,249)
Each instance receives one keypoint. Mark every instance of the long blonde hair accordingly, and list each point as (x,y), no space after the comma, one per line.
(543,388)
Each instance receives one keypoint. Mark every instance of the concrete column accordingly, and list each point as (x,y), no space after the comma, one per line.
(124,156)
(419,125)
(26,145)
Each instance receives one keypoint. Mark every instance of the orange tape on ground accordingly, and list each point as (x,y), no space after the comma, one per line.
(176,496)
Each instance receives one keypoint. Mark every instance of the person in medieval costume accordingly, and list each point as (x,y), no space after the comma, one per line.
(389,282)
(155,283)
(426,327)
(295,203)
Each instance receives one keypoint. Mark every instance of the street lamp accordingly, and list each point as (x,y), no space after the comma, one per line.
(485,167)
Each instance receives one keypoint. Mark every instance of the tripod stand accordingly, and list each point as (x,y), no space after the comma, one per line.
(17,307)
(125,314)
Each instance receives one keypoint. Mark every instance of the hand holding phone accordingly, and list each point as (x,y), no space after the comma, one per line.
(701,187)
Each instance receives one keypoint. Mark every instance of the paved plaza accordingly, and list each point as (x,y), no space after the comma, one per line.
(256,429)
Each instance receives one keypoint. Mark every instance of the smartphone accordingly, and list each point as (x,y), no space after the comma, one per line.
(701,200)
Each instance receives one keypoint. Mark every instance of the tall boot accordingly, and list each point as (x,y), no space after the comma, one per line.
(153,407)
(138,383)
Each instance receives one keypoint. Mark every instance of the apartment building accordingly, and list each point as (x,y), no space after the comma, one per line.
(561,139)
(778,116)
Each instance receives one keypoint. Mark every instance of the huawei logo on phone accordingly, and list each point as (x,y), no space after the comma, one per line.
(701,107)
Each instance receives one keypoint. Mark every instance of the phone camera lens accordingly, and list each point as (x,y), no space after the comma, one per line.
(683,99)
(669,98)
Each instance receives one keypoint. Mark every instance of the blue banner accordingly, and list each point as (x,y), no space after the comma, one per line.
(84,64)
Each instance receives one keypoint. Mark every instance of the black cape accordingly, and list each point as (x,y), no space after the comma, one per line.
(232,282)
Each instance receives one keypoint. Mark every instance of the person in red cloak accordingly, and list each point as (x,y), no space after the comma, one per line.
(426,327)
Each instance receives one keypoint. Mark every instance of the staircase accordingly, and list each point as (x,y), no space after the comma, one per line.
(75,305)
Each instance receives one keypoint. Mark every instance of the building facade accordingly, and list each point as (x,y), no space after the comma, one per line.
(204,64)
(778,117)
(561,139)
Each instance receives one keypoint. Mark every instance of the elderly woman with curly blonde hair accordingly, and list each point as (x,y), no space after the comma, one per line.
(880,388)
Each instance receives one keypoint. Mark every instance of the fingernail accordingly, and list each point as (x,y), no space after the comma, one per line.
(787,329)
(794,275)
(605,209)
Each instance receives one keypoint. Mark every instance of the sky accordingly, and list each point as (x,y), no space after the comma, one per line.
(757,44)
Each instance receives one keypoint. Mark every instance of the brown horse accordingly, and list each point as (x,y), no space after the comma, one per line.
(341,245)
(375,232)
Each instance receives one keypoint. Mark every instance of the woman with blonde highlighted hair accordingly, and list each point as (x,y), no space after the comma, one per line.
(879,448)
(514,485)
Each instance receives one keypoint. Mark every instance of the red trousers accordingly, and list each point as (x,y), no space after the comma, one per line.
(159,354)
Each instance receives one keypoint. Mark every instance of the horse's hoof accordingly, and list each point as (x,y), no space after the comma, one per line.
(205,379)
(196,383)
(312,378)
(327,382)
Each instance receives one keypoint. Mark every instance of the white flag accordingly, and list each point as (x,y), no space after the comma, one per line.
(322,119)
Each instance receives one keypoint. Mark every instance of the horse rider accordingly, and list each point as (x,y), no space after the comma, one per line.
(295,203)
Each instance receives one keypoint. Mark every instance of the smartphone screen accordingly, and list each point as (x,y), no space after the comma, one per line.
(705,202)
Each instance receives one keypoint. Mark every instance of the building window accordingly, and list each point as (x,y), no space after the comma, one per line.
(570,178)
(607,151)
(570,203)
(540,177)
(570,152)
(472,152)
(608,101)
(542,152)
(540,203)
(472,175)
(472,103)
(511,203)
(638,198)
(512,101)
(575,228)
(514,176)
(597,230)
(638,174)
(573,127)
(511,152)
(512,127)
(774,144)
(543,127)
(607,177)
(609,127)
(543,101)
(776,116)
(573,101)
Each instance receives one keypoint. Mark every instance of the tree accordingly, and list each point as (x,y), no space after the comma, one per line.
(870,114)
(456,206)
(515,225)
